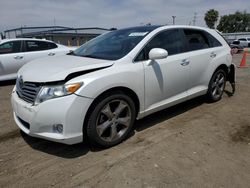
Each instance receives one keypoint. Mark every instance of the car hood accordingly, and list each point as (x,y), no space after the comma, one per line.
(53,69)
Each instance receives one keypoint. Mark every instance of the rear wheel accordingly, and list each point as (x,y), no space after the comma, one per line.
(216,86)
(111,119)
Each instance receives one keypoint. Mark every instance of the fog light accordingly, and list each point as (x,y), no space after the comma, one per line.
(58,128)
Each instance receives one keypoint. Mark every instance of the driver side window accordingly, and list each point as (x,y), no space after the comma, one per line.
(170,40)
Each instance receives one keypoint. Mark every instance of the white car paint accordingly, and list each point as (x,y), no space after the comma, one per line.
(10,63)
(158,84)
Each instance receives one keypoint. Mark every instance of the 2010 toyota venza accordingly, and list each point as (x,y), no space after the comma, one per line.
(100,89)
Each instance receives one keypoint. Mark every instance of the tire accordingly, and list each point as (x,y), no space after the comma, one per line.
(216,86)
(111,119)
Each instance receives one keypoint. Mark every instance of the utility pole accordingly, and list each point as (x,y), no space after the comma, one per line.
(173,19)
(54,21)
(195,17)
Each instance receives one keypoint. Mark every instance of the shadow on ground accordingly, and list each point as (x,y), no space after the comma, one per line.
(7,83)
(168,113)
(77,150)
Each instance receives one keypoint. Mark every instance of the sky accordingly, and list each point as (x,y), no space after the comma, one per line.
(110,13)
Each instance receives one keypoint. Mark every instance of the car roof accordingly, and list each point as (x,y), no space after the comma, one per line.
(30,39)
(184,27)
(162,27)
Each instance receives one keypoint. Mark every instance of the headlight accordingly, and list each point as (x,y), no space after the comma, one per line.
(50,92)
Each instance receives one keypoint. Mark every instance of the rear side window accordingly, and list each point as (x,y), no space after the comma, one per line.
(39,45)
(10,47)
(196,40)
(51,45)
(213,42)
(236,42)
(170,40)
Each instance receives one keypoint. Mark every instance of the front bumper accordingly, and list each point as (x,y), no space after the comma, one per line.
(40,120)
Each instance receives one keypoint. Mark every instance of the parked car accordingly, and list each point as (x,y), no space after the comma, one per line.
(99,89)
(14,53)
(236,47)
(242,42)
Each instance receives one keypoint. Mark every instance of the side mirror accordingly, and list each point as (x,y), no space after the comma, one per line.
(158,53)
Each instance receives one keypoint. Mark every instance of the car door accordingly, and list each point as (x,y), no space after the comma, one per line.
(38,49)
(11,59)
(165,79)
(202,49)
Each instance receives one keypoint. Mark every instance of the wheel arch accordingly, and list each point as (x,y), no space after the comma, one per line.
(223,67)
(121,89)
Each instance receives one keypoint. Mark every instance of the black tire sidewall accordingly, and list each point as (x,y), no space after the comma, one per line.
(98,105)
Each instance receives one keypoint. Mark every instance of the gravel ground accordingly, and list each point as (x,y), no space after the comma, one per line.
(194,144)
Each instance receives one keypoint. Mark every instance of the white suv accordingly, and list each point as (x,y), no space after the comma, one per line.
(14,53)
(99,89)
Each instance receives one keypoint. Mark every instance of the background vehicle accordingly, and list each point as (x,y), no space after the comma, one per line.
(241,43)
(14,53)
(99,89)
(235,45)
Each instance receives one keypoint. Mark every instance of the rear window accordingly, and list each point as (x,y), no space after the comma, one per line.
(39,45)
(213,42)
(236,42)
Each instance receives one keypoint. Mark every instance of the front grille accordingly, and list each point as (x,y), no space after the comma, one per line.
(27,90)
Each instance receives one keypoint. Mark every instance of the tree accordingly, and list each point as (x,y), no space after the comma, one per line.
(237,22)
(211,18)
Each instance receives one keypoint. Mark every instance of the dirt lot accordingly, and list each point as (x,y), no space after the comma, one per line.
(194,144)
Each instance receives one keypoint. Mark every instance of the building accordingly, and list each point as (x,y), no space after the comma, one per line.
(63,35)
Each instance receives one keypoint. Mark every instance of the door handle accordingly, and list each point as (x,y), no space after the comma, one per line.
(213,55)
(185,62)
(51,54)
(18,57)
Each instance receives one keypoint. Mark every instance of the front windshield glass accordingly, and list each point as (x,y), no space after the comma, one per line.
(113,45)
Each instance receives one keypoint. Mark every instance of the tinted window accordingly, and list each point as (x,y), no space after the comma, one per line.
(196,39)
(51,45)
(170,40)
(39,45)
(10,47)
(243,39)
(236,42)
(213,42)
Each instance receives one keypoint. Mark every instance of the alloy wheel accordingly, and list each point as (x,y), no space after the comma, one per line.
(113,120)
(218,85)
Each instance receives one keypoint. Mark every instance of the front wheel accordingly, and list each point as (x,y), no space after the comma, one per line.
(216,86)
(111,119)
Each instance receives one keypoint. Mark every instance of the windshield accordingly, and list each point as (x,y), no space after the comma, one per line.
(113,45)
